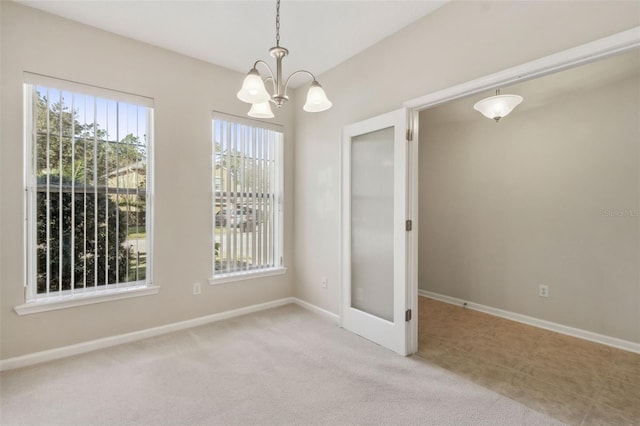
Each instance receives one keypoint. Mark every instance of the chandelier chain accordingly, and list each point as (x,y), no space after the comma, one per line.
(278,23)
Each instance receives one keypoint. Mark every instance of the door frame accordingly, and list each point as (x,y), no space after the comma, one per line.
(582,54)
(621,42)
(589,52)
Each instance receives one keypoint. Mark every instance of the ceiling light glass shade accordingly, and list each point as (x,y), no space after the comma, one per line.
(498,106)
(253,90)
(261,110)
(316,99)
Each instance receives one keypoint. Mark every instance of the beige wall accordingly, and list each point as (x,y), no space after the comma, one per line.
(185,91)
(550,195)
(459,42)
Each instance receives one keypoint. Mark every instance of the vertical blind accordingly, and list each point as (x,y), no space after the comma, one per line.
(247,196)
(87,192)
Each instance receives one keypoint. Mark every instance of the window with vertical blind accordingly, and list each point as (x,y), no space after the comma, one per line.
(247,198)
(88,189)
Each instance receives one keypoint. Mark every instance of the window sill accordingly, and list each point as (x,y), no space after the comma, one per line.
(63,302)
(249,275)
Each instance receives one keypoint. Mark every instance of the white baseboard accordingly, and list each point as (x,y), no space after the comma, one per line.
(318,310)
(92,345)
(547,325)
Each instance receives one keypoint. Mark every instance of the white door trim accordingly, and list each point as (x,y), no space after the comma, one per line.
(413,236)
(582,54)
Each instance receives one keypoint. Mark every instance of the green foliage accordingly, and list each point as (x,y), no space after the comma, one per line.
(67,147)
(98,249)
(85,242)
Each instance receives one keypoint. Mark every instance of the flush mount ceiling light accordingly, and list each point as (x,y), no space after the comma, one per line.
(497,106)
(255,93)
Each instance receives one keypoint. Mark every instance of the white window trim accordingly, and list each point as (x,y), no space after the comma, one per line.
(79,299)
(247,275)
(224,278)
(70,299)
(99,92)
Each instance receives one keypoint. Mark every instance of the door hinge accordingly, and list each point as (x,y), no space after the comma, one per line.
(407,315)
(409,135)
(408,225)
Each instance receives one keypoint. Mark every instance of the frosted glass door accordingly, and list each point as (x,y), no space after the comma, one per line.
(372,223)
(374,208)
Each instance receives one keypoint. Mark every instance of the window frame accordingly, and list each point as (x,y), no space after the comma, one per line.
(278,245)
(34,302)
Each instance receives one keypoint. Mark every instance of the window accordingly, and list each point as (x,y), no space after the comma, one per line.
(247,193)
(88,186)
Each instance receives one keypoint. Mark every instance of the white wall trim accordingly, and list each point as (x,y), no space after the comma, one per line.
(248,275)
(536,322)
(84,347)
(92,345)
(317,310)
(81,299)
(582,54)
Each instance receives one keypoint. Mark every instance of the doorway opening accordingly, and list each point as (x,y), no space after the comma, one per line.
(534,201)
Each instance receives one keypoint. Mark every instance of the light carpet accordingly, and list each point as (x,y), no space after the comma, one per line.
(281,366)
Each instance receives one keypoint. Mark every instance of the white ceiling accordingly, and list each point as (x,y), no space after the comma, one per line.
(319,34)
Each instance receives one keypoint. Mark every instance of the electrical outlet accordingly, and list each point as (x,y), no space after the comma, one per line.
(325,282)
(197,288)
(543,290)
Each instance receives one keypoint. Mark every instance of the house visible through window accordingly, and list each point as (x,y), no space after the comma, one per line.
(247,186)
(88,189)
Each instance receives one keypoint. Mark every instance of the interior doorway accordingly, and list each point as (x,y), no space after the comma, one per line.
(532,201)
(570,189)
(562,164)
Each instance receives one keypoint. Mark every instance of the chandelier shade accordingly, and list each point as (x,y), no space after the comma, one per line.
(498,106)
(261,110)
(254,92)
(317,100)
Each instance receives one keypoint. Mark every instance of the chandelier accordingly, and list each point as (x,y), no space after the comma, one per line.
(254,92)
(497,106)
